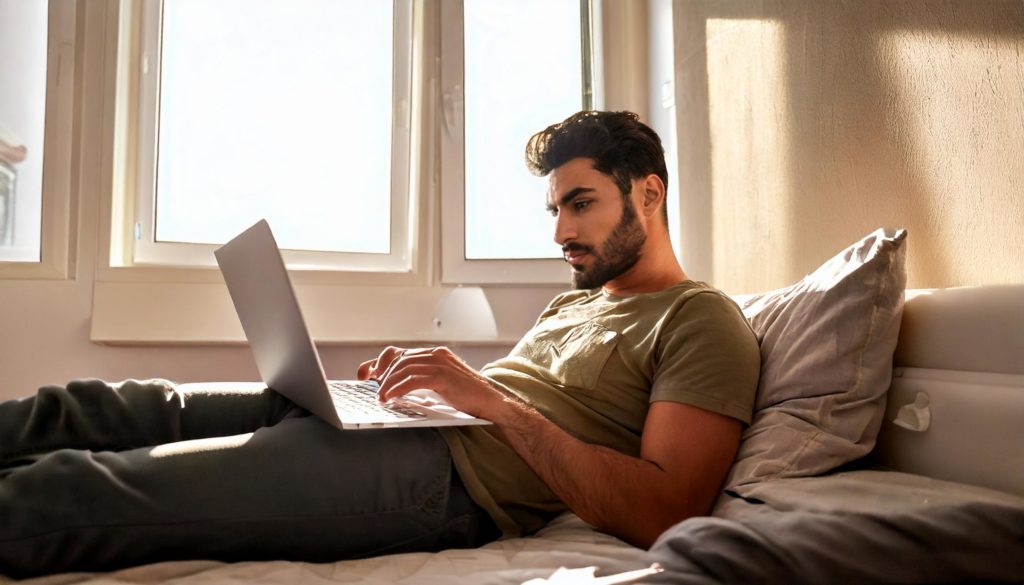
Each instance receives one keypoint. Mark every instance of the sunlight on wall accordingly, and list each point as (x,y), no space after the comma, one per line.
(822,122)
(962,135)
(748,103)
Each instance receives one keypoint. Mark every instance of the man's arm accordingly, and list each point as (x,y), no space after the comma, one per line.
(685,451)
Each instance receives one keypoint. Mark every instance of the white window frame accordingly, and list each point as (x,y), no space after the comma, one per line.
(455,267)
(137,226)
(135,304)
(55,262)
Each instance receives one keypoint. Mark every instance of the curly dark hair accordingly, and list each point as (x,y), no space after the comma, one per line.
(620,145)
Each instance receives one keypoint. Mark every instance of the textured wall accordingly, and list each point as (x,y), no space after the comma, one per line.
(805,124)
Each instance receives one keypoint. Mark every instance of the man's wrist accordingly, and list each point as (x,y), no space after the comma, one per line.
(513,415)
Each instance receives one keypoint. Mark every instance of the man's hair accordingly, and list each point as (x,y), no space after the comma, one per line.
(620,145)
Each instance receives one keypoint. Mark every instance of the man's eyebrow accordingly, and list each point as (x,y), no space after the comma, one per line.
(569,196)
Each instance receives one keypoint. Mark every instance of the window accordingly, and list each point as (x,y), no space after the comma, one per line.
(294,111)
(23,34)
(503,55)
(279,130)
(36,96)
(191,169)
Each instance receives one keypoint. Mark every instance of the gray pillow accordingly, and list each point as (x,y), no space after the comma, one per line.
(827,344)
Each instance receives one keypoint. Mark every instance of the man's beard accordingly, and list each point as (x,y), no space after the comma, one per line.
(620,252)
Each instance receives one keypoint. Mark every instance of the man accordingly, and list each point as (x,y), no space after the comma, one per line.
(624,404)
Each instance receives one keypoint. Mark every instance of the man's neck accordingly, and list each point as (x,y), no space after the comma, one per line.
(656,270)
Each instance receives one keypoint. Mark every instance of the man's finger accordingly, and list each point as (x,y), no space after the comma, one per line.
(395,384)
(363,372)
(408,383)
(379,367)
(387,366)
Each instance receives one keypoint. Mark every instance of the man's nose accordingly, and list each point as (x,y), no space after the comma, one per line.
(565,229)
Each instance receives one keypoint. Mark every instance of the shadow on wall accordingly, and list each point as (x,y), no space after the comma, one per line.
(806,124)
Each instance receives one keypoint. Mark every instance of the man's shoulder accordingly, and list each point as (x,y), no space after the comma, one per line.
(682,294)
(704,300)
(705,294)
(658,304)
(690,309)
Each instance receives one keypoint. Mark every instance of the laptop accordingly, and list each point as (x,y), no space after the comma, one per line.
(285,355)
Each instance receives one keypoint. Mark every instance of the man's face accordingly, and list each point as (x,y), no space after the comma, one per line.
(600,234)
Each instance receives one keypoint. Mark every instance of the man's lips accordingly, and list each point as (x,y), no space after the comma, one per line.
(574,256)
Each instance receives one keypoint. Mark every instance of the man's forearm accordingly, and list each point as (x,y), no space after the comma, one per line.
(629,497)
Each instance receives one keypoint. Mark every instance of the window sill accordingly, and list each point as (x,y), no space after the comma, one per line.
(151,313)
(33,271)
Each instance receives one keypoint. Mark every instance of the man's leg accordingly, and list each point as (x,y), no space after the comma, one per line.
(95,415)
(299,490)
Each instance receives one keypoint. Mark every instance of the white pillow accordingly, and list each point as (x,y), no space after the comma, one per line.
(826,362)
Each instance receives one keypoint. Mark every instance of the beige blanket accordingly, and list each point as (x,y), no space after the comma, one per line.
(566,542)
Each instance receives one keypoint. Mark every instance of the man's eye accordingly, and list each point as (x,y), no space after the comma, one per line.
(553,211)
(580,205)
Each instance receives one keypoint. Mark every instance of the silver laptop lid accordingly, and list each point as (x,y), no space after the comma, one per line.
(269,312)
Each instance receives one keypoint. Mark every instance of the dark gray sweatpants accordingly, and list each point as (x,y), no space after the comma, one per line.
(96,477)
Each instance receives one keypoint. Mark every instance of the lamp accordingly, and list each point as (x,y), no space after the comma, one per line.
(464,315)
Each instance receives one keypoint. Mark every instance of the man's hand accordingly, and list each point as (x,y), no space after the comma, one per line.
(401,371)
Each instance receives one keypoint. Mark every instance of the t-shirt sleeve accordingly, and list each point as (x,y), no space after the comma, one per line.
(707,356)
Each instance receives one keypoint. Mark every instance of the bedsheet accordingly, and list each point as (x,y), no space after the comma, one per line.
(565,542)
(857,527)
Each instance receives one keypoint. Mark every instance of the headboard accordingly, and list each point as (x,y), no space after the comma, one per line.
(956,406)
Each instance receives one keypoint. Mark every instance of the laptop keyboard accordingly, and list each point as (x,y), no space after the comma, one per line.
(361,398)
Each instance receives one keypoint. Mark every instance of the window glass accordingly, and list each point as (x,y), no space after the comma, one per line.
(279,109)
(23,42)
(523,71)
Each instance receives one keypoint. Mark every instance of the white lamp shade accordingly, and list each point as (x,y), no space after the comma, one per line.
(464,315)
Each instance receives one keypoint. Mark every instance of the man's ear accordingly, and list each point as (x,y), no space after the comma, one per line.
(654,194)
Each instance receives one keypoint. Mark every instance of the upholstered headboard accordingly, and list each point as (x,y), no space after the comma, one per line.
(956,406)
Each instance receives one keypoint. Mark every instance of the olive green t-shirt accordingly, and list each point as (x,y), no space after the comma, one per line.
(592,365)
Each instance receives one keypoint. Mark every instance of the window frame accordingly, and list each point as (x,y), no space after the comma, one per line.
(455,267)
(135,240)
(57,229)
(160,305)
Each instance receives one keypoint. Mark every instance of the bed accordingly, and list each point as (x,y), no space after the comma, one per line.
(903,464)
